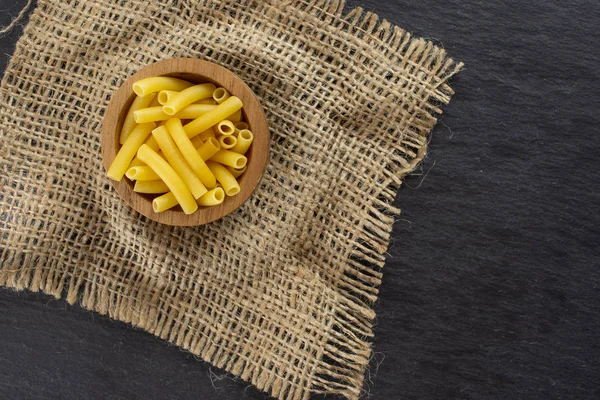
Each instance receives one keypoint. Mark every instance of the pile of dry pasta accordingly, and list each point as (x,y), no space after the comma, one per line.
(191,164)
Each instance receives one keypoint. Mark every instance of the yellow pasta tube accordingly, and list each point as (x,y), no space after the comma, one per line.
(150,114)
(237,172)
(224,127)
(164,202)
(236,116)
(207,101)
(219,113)
(130,122)
(207,134)
(135,163)
(166,95)
(244,140)
(127,152)
(220,95)
(209,148)
(187,97)
(141,173)
(227,142)
(212,197)
(225,178)
(177,161)
(151,187)
(197,142)
(230,159)
(189,153)
(240,125)
(168,175)
(155,84)
(193,111)
(150,142)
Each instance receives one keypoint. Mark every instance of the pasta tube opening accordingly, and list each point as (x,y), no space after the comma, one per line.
(229,184)
(237,172)
(244,140)
(165,95)
(213,117)
(212,198)
(209,148)
(155,84)
(230,159)
(225,128)
(220,95)
(141,173)
(227,142)
(164,202)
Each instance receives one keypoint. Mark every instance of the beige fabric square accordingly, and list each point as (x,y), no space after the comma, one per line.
(281,291)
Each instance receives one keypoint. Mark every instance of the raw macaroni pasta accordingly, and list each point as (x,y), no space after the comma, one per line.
(188,96)
(141,173)
(165,95)
(198,164)
(225,178)
(130,122)
(244,140)
(174,157)
(151,187)
(212,198)
(168,175)
(227,142)
(190,153)
(128,150)
(155,84)
(224,128)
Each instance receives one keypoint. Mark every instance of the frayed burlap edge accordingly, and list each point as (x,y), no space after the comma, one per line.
(341,370)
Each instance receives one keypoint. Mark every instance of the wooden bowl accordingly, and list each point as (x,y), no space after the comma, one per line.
(196,71)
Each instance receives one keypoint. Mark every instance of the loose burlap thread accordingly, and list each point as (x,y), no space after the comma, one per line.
(279,292)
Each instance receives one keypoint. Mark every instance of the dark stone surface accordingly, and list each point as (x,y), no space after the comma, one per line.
(491,289)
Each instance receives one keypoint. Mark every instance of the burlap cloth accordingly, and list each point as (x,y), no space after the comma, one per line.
(281,291)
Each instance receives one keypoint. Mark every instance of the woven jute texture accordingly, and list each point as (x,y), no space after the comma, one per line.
(280,292)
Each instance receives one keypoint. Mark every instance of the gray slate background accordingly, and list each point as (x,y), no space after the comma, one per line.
(491,288)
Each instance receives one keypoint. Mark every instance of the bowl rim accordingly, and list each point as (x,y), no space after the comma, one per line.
(200,71)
